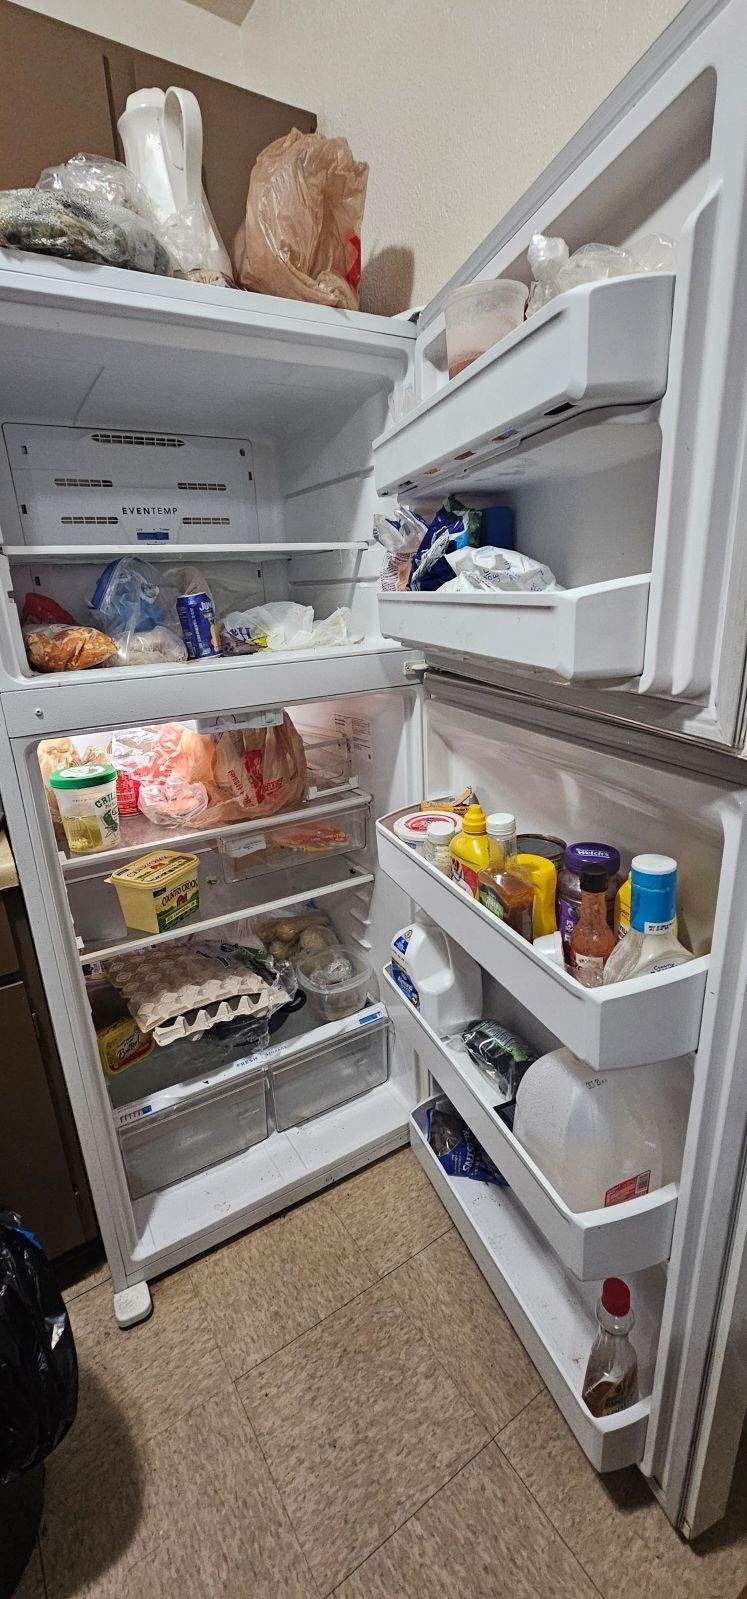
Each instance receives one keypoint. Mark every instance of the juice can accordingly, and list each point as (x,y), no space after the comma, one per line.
(196,614)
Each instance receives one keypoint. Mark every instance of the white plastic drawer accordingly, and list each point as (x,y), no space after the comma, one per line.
(325,1077)
(181,1133)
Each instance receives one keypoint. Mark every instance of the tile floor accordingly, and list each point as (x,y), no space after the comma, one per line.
(335,1403)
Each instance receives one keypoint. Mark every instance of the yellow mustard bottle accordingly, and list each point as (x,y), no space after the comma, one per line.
(470,850)
(542,875)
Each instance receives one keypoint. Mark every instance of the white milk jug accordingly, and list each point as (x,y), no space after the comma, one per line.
(162,138)
(602,1137)
(438,977)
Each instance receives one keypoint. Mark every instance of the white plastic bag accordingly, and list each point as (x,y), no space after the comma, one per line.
(554,270)
(502,571)
(284,625)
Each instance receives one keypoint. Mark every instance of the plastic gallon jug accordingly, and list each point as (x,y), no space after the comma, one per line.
(598,1137)
(443,982)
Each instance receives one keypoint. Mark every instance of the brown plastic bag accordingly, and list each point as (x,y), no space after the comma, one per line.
(262,769)
(304,209)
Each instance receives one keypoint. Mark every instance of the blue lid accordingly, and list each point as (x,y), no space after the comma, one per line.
(498,527)
(653,892)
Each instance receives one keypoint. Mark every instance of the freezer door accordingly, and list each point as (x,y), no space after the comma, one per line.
(614,420)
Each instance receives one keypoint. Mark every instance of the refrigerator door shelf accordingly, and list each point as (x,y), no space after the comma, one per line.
(102,933)
(599,345)
(627,1024)
(597,632)
(553,1315)
(593,1244)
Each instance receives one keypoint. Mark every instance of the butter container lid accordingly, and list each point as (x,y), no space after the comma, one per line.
(157,870)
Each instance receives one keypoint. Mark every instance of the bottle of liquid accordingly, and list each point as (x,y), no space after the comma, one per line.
(510,898)
(652,944)
(500,827)
(576,858)
(592,940)
(542,877)
(611,1381)
(470,850)
(436,848)
(622,911)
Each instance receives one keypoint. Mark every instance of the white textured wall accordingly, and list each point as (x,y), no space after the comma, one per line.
(172,29)
(456,105)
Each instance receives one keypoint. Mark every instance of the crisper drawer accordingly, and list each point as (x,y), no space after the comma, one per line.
(330,1075)
(179,1132)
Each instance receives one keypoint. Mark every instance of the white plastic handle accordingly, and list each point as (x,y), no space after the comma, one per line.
(182,135)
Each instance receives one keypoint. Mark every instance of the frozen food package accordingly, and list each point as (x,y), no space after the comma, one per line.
(554,270)
(128,602)
(502,1055)
(58,647)
(159,646)
(399,537)
(301,234)
(457,1149)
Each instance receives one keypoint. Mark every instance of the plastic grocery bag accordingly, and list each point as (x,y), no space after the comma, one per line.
(38,1363)
(284,625)
(262,768)
(304,209)
(132,603)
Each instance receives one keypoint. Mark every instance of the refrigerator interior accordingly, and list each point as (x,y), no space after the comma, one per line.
(236,1138)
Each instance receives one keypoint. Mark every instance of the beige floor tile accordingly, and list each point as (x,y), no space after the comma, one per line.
(359,1425)
(192,1511)
(614,1525)
(261,1291)
(94,1277)
(447,1297)
(391,1210)
(152,1373)
(31,1585)
(481,1535)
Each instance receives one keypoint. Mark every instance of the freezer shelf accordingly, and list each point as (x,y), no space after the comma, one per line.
(101,930)
(592,633)
(627,1024)
(551,1312)
(599,345)
(593,1244)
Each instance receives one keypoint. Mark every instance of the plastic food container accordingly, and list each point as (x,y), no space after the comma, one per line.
(87,800)
(158,890)
(333,995)
(413,829)
(478,315)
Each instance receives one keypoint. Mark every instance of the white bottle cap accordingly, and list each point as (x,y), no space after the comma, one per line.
(500,825)
(440,830)
(654,865)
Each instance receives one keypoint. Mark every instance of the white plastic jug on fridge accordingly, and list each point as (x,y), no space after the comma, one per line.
(438,977)
(162,137)
(601,1137)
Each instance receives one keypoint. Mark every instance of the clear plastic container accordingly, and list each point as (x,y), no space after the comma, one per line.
(478,315)
(325,1077)
(87,801)
(336,981)
(282,843)
(182,1131)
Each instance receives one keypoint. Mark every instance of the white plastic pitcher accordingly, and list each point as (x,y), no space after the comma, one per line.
(602,1137)
(438,977)
(161,133)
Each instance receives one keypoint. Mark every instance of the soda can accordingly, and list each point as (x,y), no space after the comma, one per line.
(196,614)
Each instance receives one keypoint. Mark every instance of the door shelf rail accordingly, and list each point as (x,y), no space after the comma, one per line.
(598,345)
(597,632)
(553,1316)
(593,1244)
(626,1024)
(101,932)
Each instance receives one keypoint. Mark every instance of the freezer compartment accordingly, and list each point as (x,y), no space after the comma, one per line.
(626,1024)
(594,1244)
(599,345)
(597,632)
(323,1077)
(186,1130)
(553,1314)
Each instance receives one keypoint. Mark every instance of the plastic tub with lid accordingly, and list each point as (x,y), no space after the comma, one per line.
(87,801)
(336,981)
(478,315)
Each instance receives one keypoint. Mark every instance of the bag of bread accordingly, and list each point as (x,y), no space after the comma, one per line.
(59,647)
(262,769)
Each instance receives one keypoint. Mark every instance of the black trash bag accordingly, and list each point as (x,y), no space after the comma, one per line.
(38,1363)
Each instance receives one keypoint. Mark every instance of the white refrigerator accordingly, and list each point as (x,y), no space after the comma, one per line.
(255,438)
